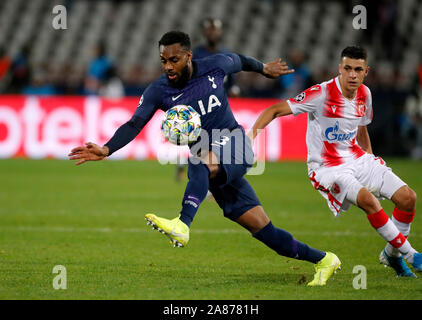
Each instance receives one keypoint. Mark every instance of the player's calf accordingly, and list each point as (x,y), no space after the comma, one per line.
(284,244)
(403,214)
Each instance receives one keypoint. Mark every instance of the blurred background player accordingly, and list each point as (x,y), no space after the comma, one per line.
(5,64)
(212,30)
(341,165)
(222,155)
(98,71)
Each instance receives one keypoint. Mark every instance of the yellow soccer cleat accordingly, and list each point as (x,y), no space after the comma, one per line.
(176,230)
(324,269)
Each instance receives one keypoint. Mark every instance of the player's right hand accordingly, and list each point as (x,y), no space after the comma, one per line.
(89,152)
(276,68)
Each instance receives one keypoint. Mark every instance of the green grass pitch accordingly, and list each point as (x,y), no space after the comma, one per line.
(90,219)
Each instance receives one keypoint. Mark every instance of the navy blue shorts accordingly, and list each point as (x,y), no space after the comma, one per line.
(235,198)
(231,190)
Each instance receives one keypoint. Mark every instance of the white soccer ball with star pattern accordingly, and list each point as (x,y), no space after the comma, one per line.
(181,125)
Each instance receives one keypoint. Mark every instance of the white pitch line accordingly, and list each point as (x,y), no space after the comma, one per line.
(202,231)
(103,230)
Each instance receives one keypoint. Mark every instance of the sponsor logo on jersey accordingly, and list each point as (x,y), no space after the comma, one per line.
(331,134)
(176,97)
(212,103)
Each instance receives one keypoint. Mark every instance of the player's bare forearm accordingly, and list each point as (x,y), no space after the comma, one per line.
(363,139)
(277,110)
(89,152)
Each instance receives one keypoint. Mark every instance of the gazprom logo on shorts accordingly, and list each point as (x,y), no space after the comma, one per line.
(332,135)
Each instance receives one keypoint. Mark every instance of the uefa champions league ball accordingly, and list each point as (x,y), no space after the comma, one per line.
(181,125)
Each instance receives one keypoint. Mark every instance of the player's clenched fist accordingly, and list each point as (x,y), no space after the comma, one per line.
(89,152)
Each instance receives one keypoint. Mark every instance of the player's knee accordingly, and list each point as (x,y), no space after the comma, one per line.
(259,224)
(407,200)
(254,220)
(198,170)
(213,168)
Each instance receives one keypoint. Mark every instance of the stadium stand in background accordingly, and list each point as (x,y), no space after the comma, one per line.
(37,59)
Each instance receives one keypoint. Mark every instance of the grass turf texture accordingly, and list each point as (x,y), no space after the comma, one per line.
(90,219)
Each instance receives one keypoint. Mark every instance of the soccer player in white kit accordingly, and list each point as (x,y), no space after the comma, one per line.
(341,165)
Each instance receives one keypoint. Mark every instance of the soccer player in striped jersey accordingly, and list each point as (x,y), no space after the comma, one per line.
(341,165)
(221,157)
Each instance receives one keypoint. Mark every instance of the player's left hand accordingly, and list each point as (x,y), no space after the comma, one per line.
(276,68)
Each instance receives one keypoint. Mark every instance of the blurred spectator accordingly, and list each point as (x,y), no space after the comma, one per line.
(212,30)
(21,71)
(97,70)
(256,86)
(112,86)
(413,129)
(381,29)
(5,63)
(387,12)
(371,6)
(132,78)
(292,84)
(38,85)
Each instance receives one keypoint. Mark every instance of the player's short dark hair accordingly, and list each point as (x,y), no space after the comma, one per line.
(173,37)
(354,52)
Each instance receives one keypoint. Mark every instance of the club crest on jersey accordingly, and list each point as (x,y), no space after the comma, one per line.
(335,188)
(300,97)
(332,135)
(361,109)
(211,79)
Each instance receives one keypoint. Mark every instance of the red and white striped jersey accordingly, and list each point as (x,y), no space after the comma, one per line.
(333,121)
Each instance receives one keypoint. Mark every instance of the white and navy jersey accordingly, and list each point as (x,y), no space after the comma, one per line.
(333,121)
(204,92)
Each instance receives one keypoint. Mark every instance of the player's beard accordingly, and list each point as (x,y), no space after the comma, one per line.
(181,81)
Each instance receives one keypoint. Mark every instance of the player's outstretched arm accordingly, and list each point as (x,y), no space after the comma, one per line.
(89,152)
(232,63)
(277,110)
